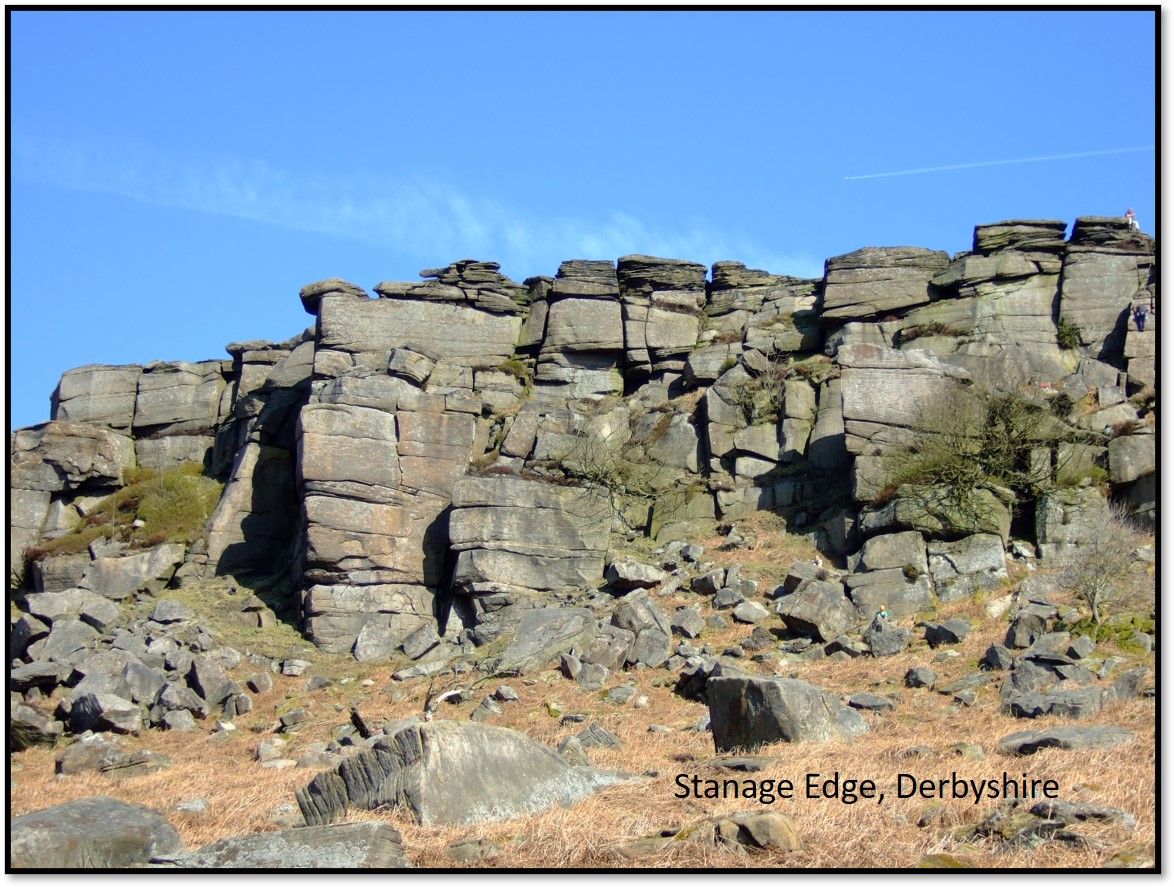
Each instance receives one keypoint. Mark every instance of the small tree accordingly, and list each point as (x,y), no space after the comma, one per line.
(1103,572)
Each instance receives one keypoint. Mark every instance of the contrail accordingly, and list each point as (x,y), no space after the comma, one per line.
(913,172)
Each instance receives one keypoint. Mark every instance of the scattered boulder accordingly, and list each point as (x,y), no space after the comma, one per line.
(92,833)
(1028,742)
(452,773)
(747,712)
(355,845)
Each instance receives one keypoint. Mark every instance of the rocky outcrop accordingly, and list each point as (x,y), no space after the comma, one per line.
(515,535)
(462,449)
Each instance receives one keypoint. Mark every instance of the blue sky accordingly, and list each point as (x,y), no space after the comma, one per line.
(177,177)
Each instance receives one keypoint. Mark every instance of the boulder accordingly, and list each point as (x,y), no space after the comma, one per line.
(541,635)
(625,574)
(895,550)
(57,456)
(1028,742)
(311,294)
(885,639)
(451,773)
(818,609)
(355,845)
(105,711)
(1036,235)
(28,727)
(98,395)
(889,590)
(610,648)
(56,574)
(92,833)
(120,577)
(746,712)
(367,330)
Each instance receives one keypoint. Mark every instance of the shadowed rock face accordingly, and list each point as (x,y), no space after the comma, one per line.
(452,773)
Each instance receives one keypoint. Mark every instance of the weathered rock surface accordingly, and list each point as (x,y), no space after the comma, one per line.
(746,712)
(93,833)
(517,534)
(1028,742)
(452,773)
(877,280)
(355,845)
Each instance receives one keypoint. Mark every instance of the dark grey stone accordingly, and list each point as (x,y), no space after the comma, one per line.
(90,833)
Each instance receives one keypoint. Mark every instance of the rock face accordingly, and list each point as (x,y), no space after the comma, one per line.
(93,833)
(878,280)
(451,773)
(512,534)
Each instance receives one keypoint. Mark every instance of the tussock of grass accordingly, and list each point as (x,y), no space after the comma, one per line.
(173,506)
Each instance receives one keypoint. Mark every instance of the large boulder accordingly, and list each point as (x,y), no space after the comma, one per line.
(451,773)
(542,634)
(92,833)
(120,577)
(818,609)
(365,331)
(746,712)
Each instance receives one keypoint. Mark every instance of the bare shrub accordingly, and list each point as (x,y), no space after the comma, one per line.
(1105,573)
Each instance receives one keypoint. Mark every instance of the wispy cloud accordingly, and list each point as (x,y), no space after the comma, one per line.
(925,169)
(430,219)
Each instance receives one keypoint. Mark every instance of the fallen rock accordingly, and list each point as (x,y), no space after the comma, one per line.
(1028,742)
(92,833)
(452,773)
(355,845)
(746,712)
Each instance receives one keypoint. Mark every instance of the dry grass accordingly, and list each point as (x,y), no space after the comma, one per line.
(243,797)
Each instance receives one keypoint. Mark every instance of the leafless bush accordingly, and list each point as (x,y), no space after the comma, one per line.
(1105,573)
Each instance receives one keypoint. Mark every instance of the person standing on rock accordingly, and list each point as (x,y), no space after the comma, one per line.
(1140,313)
(1132,220)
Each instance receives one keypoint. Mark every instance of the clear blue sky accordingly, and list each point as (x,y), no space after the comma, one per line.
(176,177)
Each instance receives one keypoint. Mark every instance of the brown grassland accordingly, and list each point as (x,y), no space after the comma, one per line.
(242,797)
